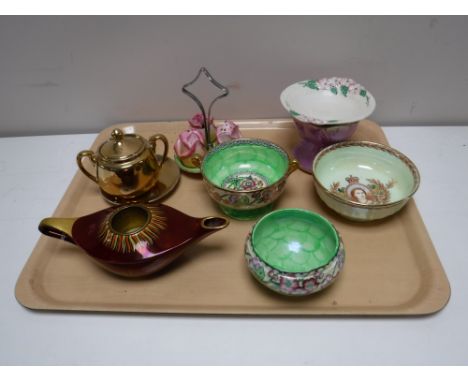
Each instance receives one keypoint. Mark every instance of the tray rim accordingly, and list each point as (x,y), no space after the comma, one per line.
(26,292)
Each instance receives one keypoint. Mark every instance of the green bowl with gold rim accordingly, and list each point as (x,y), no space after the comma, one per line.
(245,176)
(364,181)
(294,252)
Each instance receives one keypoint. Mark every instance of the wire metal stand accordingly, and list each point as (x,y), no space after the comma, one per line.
(206,117)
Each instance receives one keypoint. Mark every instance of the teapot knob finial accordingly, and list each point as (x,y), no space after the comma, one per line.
(117,135)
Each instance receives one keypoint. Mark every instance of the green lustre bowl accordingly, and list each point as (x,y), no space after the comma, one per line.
(245,176)
(364,181)
(294,252)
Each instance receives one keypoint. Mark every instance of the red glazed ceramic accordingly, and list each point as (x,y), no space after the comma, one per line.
(133,240)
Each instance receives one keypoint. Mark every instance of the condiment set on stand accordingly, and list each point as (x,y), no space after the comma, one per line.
(291,251)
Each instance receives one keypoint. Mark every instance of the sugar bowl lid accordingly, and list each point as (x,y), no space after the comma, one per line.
(121,147)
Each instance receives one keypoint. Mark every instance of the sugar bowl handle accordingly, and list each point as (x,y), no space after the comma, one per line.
(293,166)
(153,139)
(79,161)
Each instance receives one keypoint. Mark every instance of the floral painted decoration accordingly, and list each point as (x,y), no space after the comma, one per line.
(260,197)
(293,284)
(328,101)
(248,181)
(338,85)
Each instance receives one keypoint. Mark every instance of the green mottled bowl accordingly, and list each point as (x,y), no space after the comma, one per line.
(246,176)
(294,252)
(364,180)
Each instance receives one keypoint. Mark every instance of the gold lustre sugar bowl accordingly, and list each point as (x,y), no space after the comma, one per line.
(126,166)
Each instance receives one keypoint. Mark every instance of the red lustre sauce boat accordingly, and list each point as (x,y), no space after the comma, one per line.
(133,240)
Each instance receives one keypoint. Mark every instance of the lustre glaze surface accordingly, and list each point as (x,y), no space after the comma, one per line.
(293,284)
(246,176)
(364,180)
(328,101)
(133,240)
(325,112)
(294,252)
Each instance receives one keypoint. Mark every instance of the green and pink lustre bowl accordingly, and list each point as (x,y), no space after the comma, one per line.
(294,252)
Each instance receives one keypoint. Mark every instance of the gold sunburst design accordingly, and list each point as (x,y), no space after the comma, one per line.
(129,226)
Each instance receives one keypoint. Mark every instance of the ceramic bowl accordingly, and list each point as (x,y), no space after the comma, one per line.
(244,177)
(294,252)
(364,180)
(325,111)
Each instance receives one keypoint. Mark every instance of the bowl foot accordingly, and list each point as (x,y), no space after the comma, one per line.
(316,137)
(305,153)
(253,214)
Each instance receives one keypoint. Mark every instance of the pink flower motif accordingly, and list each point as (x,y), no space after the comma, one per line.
(228,131)
(190,142)
(196,122)
(288,285)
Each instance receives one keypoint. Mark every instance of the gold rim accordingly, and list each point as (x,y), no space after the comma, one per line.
(378,146)
(148,231)
(214,228)
(292,166)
